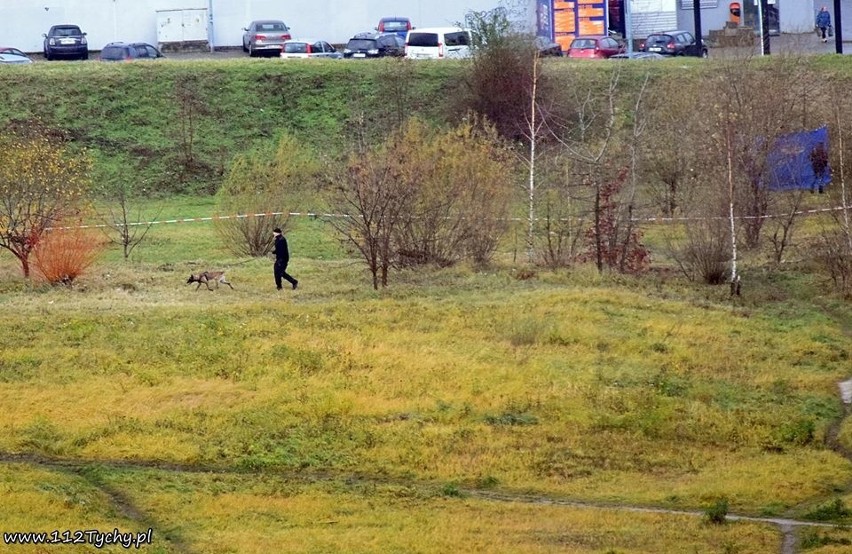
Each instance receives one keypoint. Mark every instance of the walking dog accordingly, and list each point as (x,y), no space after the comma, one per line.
(207,277)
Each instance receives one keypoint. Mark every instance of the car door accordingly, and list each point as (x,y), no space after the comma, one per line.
(609,47)
(689,45)
(386,45)
(246,34)
(324,49)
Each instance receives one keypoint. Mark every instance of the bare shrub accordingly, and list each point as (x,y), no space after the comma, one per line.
(260,190)
(833,253)
(63,254)
(426,197)
(704,250)
(499,82)
(611,241)
(463,180)
(372,196)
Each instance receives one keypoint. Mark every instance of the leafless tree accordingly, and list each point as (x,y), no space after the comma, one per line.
(121,212)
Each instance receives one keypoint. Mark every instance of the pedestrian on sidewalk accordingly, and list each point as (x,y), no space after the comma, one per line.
(823,22)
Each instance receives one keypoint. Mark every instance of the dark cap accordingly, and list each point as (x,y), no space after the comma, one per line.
(277,230)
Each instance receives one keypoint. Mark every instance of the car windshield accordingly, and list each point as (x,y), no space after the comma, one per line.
(67,31)
(279,27)
(395,25)
(14,51)
(422,39)
(583,43)
(296,48)
(361,44)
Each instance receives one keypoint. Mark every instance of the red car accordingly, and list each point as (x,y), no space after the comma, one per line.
(595,47)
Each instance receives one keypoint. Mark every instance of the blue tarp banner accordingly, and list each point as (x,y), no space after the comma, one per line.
(799,161)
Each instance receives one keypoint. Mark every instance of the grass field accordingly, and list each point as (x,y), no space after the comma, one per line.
(499,409)
(338,418)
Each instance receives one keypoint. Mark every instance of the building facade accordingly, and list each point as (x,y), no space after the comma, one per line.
(562,20)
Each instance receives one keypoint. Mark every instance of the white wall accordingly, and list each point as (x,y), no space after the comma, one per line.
(22,22)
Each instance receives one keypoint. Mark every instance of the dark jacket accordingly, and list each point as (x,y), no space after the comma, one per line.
(823,19)
(282,254)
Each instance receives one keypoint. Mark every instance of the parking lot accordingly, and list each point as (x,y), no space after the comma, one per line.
(786,44)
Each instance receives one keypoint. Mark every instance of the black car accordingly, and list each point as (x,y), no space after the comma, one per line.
(65,41)
(547,47)
(122,51)
(674,43)
(374,46)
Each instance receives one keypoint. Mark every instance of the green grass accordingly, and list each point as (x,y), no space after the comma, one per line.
(574,386)
(236,105)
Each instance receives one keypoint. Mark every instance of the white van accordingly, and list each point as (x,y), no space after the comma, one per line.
(437,43)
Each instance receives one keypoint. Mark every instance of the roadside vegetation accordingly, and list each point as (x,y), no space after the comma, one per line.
(432,385)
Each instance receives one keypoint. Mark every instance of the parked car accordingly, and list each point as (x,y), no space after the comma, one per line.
(65,41)
(265,37)
(125,52)
(374,46)
(9,55)
(674,43)
(547,47)
(437,43)
(397,25)
(594,47)
(309,49)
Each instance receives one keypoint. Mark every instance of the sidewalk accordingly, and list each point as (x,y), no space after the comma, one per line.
(785,44)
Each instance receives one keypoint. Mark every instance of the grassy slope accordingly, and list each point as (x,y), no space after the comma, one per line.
(338,418)
(135,121)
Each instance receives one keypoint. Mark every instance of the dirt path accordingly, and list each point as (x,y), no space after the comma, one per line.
(126,507)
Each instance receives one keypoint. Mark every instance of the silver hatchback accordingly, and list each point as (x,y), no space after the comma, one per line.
(265,37)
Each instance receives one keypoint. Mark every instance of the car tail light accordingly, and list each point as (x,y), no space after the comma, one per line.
(259,37)
(670,45)
(286,36)
(641,46)
(440,49)
(408,25)
(381,26)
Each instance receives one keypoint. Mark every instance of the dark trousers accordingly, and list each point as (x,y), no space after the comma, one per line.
(824,32)
(281,271)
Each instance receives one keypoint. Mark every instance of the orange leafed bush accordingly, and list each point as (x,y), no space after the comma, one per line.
(63,254)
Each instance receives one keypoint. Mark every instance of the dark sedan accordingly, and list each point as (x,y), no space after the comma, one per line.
(65,41)
(374,46)
(674,43)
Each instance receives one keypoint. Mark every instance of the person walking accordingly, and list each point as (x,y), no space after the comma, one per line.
(282,258)
(823,22)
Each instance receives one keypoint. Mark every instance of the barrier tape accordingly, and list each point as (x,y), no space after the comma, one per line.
(328,215)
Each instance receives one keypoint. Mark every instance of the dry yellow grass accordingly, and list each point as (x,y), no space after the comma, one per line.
(560,387)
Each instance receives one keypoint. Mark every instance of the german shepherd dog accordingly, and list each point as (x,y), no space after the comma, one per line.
(207,277)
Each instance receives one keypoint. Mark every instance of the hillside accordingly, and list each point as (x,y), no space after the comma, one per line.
(175,125)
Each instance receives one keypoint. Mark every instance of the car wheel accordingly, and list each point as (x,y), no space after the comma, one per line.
(245,48)
(251,51)
(47,55)
(85,56)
